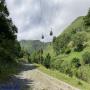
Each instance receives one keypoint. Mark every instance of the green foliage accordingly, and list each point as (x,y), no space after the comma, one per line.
(84,73)
(79,40)
(86,58)
(56,64)
(47,61)
(75,33)
(67,51)
(9,46)
(49,49)
(8,43)
(75,63)
(60,43)
(36,57)
(79,83)
(8,70)
(3,8)
(33,45)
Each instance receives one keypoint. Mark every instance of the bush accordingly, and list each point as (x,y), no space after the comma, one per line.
(67,51)
(56,64)
(79,39)
(86,58)
(78,48)
(47,61)
(75,62)
(69,72)
(79,83)
(83,73)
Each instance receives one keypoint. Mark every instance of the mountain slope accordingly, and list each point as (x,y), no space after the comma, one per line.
(65,60)
(32,45)
(68,60)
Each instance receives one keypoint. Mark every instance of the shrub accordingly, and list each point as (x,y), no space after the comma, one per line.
(79,39)
(69,72)
(83,73)
(75,62)
(47,61)
(67,51)
(56,64)
(79,83)
(86,58)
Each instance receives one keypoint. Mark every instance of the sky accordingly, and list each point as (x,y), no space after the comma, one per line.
(36,17)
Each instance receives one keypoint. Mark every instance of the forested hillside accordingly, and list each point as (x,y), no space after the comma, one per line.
(73,49)
(32,45)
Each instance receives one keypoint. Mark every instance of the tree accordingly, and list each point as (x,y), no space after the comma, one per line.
(9,46)
(60,43)
(47,61)
(41,56)
(3,8)
(56,45)
(54,39)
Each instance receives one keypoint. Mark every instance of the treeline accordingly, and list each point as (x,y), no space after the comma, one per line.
(37,57)
(9,46)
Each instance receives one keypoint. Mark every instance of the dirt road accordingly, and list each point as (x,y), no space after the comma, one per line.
(30,78)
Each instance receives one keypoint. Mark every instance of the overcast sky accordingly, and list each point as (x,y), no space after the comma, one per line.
(36,17)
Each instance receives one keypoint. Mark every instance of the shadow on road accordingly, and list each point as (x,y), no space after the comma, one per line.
(26,67)
(18,83)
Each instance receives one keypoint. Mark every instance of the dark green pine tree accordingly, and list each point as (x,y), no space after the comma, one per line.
(47,61)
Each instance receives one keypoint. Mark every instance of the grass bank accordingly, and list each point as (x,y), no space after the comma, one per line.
(70,80)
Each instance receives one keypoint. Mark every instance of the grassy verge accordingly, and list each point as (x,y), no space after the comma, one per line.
(8,70)
(72,81)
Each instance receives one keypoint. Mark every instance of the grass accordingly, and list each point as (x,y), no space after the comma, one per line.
(72,81)
(6,71)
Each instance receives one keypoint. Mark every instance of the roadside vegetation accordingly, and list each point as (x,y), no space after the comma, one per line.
(9,46)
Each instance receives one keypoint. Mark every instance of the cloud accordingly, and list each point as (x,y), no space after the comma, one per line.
(36,17)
